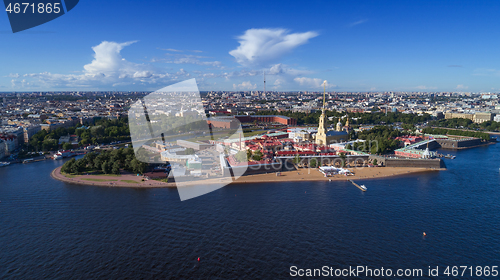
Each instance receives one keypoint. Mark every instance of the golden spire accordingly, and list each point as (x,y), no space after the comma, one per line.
(324,94)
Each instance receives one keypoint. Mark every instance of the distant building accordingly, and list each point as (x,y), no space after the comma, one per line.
(482,117)
(267,119)
(2,148)
(233,122)
(414,153)
(71,139)
(29,131)
(177,155)
(497,118)
(459,116)
(11,143)
(64,139)
(477,117)
(198,146)
(409,140)
(224,122)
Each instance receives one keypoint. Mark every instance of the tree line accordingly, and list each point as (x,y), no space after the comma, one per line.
(443,131)
(354,118)
(467,124)
(106,162)
(379,140)
(103,132)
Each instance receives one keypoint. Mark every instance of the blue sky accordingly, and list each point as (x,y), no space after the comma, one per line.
(226,45)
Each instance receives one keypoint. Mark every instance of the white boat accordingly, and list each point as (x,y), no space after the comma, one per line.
(63,154)
(363,187)
(3,163)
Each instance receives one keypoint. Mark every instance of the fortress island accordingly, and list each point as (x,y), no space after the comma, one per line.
(283,152)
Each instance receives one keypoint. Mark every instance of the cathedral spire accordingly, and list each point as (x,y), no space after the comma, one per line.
(324,94)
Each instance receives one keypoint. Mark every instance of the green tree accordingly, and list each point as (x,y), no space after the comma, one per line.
(68,166)
(105,167)
(343,157)
(313,162)
(249,154)
(257,156)
(296,159)
(116,168)
(375,162)
(67,146)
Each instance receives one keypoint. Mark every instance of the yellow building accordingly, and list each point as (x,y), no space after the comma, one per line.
(459,116)
(477,118)
(482,117)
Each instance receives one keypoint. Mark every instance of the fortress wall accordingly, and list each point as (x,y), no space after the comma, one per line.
(459,144)
(403,162)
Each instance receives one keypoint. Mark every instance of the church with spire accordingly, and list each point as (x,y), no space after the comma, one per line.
(325,136)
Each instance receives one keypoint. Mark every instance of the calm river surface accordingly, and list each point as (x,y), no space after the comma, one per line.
(54,230)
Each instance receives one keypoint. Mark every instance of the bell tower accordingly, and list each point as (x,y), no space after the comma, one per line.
(321,134)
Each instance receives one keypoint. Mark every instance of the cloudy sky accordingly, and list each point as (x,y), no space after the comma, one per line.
(227,45)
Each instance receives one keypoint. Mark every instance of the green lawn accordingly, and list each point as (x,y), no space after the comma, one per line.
(69,175)
(115,175)
(253,133)
(130,181)
(99,180)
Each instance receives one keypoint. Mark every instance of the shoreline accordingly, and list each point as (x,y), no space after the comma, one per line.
(115,181)
(303,175)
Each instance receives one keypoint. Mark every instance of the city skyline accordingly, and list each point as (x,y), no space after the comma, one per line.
(429,47)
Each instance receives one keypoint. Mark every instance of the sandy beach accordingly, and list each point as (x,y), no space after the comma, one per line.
(315,175)
(131,180)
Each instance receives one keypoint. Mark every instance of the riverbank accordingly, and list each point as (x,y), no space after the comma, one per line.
(122,180)
(306,175)
(301,175)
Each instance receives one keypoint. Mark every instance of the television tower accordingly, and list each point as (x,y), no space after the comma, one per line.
(264,83)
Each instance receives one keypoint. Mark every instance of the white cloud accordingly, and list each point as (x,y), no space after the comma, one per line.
(142,74)
(109,62)
(312,82)
(188,59)
(278,83)
(462,87)
(281,69)
(358,22)
(245,85)
(277,70)
(261,46)
(175,50)
(172,50)
(108,68)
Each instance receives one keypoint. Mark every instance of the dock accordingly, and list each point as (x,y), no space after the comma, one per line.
(358,186)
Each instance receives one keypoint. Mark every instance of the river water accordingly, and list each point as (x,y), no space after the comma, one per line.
(54,230)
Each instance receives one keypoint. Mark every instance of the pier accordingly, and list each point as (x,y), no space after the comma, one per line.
(358,186)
